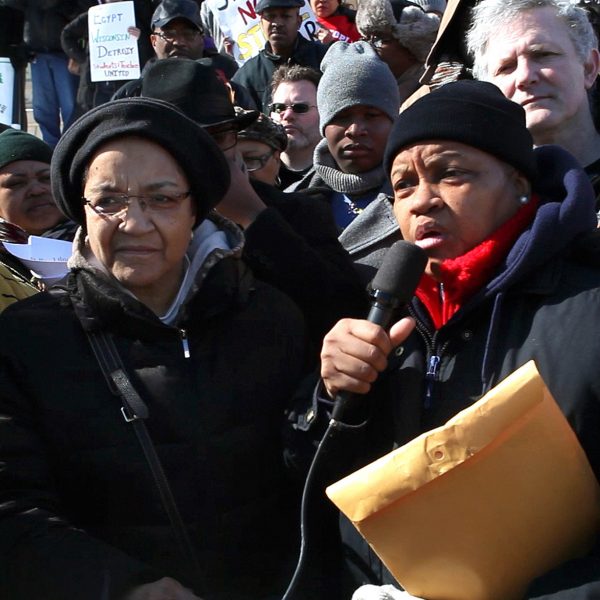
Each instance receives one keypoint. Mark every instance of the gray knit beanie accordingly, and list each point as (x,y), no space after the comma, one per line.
(353,74)
(414,28)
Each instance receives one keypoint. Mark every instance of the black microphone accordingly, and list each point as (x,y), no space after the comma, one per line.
(394,284)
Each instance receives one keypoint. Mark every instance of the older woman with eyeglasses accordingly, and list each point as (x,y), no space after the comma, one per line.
(159,322)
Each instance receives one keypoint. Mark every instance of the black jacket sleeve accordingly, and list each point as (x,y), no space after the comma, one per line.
(73,39)
(293,246)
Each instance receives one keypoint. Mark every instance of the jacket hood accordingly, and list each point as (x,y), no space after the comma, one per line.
(566,211)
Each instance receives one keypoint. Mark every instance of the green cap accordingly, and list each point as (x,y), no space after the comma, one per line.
(18,145)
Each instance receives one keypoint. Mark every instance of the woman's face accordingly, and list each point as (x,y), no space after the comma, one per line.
(143,248)
(256,153)
(357,136)
(324,8)
(26,198)
(449,197)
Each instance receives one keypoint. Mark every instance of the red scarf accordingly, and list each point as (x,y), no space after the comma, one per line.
(466,274)
(341,27)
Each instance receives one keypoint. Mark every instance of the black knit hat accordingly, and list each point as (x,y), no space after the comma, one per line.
(475,113)
(194,150)
(196,89)
(18,145)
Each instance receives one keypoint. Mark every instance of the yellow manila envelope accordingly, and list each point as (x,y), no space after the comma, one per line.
(476,509)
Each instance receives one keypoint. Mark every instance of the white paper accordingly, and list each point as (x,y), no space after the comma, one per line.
(113,50)
(46,258)
(7,81)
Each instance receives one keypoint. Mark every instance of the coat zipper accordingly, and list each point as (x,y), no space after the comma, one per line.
(184,343)
(430,377)
(434,358)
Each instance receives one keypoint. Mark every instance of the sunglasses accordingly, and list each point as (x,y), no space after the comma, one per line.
(297,107)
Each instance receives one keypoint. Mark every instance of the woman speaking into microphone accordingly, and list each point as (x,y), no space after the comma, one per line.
(512,275)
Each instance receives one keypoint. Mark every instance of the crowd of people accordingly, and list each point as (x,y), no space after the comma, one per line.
(161,406)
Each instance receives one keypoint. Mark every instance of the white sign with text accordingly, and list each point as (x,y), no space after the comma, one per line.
(113,50)
(7,84)
(238,21)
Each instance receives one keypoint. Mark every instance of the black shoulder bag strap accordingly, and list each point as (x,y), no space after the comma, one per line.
(135,411)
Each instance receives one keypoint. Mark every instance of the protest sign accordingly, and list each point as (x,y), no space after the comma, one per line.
(239,22)
(113,50)
(7,84)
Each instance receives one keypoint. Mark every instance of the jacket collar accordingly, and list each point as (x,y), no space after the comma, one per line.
(101,300)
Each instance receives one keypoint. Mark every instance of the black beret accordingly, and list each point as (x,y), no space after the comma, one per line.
(194,150)
(475,113)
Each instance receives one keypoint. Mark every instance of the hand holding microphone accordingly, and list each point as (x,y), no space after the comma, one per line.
(355,351)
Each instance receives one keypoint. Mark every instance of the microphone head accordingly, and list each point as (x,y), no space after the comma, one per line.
(400,271)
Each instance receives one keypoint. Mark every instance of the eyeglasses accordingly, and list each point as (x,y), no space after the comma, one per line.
(255,163)
(225,138)
(377,42)
(170,35)
(298,107)
(113,204)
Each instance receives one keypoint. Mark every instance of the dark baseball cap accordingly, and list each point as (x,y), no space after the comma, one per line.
(264,4)
(169,10)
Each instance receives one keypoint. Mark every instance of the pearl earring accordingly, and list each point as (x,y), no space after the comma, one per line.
(524,199)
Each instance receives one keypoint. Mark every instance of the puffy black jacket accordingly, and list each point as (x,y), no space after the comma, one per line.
(79,512)
(257,73)
(543,304)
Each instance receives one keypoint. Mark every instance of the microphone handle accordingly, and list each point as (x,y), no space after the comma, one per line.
(382,310)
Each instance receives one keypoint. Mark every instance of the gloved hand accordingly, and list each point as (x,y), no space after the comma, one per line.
(381,592)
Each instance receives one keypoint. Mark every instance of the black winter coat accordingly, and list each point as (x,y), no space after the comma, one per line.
(543,304)
(257,73)
(79,512)
(293,246)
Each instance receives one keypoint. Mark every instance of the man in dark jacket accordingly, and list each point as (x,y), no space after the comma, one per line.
(279,21)
(54,87)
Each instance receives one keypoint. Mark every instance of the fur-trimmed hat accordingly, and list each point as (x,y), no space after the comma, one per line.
(414,28)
